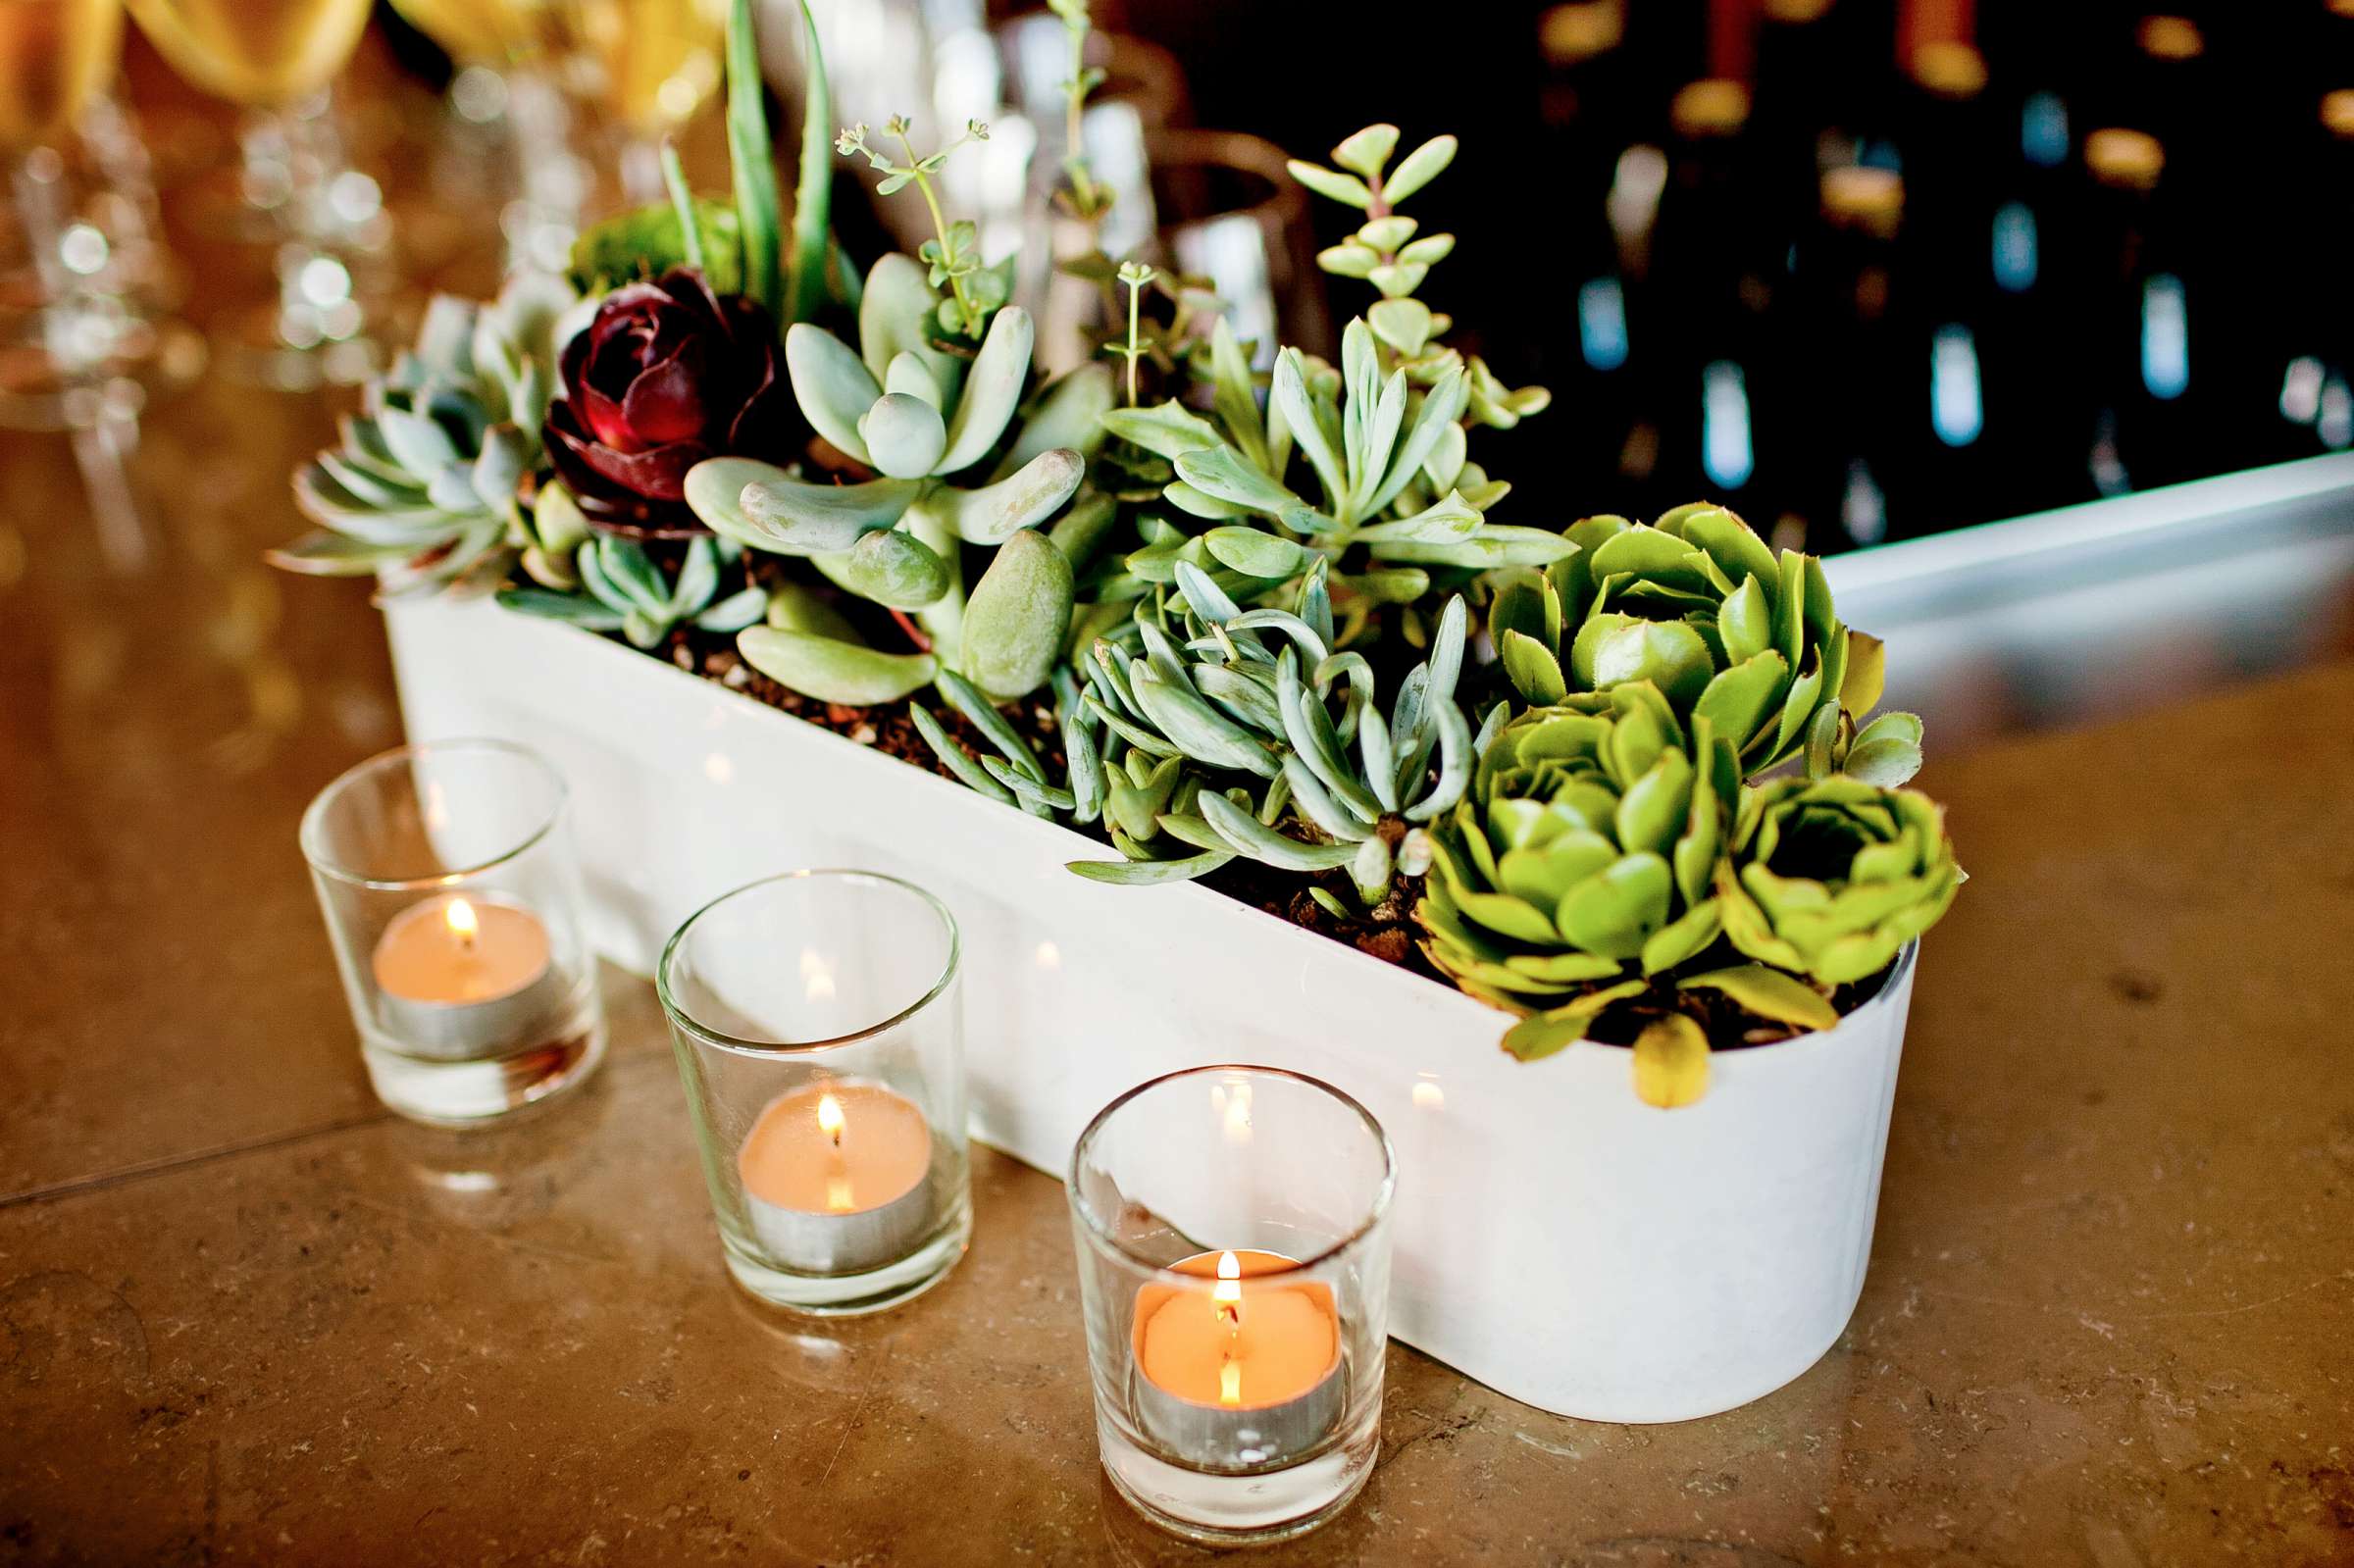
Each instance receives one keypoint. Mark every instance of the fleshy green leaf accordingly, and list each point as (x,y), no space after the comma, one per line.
(902,433)
(1331,183)
(832,671)
(1365,152)
(1029,495)
(1671,1062)
(833,386)
(1017,616)
(1420,168)
(1769,993)
(892,568)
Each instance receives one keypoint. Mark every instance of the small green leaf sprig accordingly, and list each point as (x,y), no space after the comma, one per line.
(1384,251)
(954,254)
(1388,252)
(1085,199)
(1133,275)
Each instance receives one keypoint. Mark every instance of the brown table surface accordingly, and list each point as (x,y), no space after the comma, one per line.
(246,1314)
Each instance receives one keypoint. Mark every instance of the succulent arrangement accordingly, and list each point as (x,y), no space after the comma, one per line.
(1618,779)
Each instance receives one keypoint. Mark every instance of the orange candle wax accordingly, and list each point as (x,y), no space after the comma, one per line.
(1233,1343)
(464,977)
(833,1177)
(454,949)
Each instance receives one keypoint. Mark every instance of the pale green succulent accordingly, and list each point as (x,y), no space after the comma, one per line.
(1697,606)
(422,490)
(1377,448)
(920,417)
(624,590)
(1829,878)
(1221,726)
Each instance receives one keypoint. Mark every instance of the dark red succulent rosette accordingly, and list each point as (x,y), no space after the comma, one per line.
(667,375)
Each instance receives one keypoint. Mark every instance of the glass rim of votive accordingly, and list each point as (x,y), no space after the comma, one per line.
(1376,1208)
(721,1040)
(311,834)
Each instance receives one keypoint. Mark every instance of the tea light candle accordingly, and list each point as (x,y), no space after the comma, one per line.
(836,1177)
(1238,1374)
(463,975)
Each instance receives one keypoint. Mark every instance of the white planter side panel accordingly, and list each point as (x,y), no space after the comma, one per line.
(1555,1237)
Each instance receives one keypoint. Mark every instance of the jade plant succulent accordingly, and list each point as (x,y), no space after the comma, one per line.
(422,491)
(1697,606)
(1386,252)
(624,591)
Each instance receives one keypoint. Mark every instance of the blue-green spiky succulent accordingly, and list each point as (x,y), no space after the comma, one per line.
(422,489)
(623,589)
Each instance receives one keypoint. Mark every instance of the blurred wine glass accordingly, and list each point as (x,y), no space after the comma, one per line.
(324,220)
(84,268)
(587,90)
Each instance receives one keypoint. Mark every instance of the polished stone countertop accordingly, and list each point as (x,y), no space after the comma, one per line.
(247,1315)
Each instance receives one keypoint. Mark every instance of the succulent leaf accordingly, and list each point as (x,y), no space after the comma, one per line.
(833,671)
(791,517)
(892,567)
(991,389)
(833,386)
(1022,499)
(904,434)
(1671,1062)
(1017,616)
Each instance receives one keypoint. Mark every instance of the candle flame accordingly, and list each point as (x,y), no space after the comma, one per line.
(1230,1382)
(830,1120)
(1226,1296)
(464,924)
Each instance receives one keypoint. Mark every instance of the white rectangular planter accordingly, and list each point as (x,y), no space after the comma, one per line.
(1555,1237)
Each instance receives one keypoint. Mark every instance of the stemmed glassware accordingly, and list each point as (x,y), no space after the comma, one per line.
(588,91)
(324,219)
(81,320)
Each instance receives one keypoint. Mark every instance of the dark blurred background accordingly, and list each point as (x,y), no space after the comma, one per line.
(1864,270)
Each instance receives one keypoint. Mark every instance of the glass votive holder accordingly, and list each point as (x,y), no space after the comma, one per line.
(452,898)
(1234,1265)
(819,1027)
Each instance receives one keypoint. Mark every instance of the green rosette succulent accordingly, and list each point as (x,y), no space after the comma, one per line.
(1697,606)
(1582,860)
(421,490)
(1829,878)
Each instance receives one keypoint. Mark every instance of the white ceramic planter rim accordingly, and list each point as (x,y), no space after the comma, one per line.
(1555,1237)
